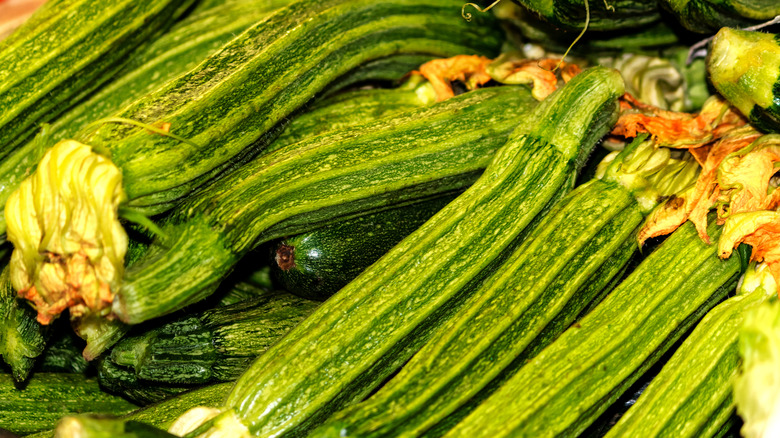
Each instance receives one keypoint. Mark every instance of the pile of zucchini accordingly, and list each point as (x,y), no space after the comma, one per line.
(382,218)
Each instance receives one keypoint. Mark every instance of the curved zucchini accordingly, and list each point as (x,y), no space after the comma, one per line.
(62,53)
(316,264)
(344,173)
(363,333)
(612,15)
(563,265)
(570,383)
(744,67)
(692,395)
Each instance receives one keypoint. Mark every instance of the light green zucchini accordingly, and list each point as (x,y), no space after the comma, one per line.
(562,390)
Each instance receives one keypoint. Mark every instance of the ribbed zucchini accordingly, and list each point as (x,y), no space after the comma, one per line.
(692,395)
(573,380)
(707,16)
(22,338)
(182,48)
(359,336)
(344,173)
(744,67)
(561,267)
(64,52)
(612,15)
(206,122)
(316,264)
(213,346)
(47,397)
(92,426)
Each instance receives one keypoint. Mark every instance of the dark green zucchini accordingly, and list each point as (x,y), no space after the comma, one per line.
(316,264)
(22,338)
(344,173)
(692,395)
(214,346)
(744,67)
(563,265)
(47,397)
(62,53)
(572,381)
(601,15)
(368,329)
(62,353)
(707,16)
(216,117)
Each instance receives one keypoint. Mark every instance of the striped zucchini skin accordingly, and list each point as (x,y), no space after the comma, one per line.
(691,396)
(369,328)
(707,16)
(540,288)
(572,381)
(627,14)
(22,338)
(752,87)
(316,264)
(187,44)
(48,397)
(233,99)
(344,110)
(350,172)
(164,413)
(65,52)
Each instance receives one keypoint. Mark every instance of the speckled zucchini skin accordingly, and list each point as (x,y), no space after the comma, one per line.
(47,397)
(66,51)
(364,332)
(534,295)
(691,396)
(571,382)
(707,16)
(316,264)
(227,106)
(627,14)
(344,173)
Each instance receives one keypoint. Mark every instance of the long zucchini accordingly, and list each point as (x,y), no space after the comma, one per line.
(692,395)
(561,267)
(213,346)
(47,397)
(316,264)
(65,51)
(744,67)
(207,121)
(344,173)
(707,16)
(568,384)
(572,14)
(363,333)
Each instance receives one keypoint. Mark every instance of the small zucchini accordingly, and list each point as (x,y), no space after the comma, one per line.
(316,264)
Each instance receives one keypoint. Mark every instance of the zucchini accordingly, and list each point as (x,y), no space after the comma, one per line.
(391,161)
(49,396)
(707,16)
(63,353)
(316,264)
(692,395)
(219,116)
(744,67)
(612,15)
(563,265)
(573,380)
(22,338)
(65,51)
(368,329)
(214,346)
(91,426)
(162,60)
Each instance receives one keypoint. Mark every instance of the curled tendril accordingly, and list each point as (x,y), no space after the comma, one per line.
(608,6)
(467,15)
(584,29)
